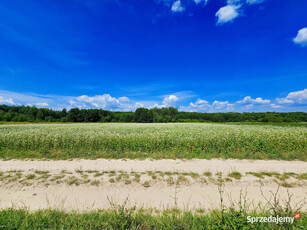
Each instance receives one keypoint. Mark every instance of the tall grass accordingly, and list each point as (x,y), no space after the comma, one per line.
(153,140)
(138,219)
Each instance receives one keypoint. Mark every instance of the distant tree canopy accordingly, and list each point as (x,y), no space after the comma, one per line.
(142,115)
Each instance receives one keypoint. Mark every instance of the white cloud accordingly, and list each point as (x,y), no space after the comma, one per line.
(199,106)
(199,1)
(298,97)
(177,7)
(227,13)
(258,100)
(222,105)
(274,106)
(294,101)
(301,37)
(251,2)
(102,101)
(44,104)
(6,101)
(170,100)
(233,2)
(284,101)
(123,99)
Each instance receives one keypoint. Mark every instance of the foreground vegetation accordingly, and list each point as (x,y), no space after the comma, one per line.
(143,115)
(122,218)
(108,140)
(145,178)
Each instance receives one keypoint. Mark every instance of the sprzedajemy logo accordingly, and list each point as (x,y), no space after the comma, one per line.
(274,219)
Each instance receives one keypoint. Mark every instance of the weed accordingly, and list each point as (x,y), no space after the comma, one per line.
(146,184)
(95,182)
(30,176)
(235,175)
(302,176)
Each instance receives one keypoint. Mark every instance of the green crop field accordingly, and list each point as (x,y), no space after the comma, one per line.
(123,140)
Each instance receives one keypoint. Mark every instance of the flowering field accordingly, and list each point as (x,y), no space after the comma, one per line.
(170,140)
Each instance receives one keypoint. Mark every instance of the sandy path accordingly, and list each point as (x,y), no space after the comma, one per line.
(158,195)
(199,165)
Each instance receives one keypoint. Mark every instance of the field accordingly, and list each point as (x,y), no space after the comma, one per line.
(151,176)
(157,141)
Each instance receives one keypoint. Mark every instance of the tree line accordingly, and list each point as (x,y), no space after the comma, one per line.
(141,115)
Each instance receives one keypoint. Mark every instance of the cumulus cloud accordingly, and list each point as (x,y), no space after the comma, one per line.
(170,100)
(222,105)
(6,101)
(177,7)
(227,13)
(301,37)
(199,106)
(298,97)
(105,101)
(294,101)
(123,99)
(258,100)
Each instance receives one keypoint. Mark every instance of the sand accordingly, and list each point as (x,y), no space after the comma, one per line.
(158,195)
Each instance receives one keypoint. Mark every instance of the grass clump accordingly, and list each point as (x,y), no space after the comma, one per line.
(146,184)
(127,181)
(95,182)
(40,172)
(302,176)
(256,174)
(30,176)
(182,179)
(98,174)
(91,171)
(193,175)
(236,175)
(137,177)
(72,180)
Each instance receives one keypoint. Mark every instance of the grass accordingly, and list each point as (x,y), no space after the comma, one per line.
(41,172)
(111,140)
(146,184)
(95,182)
(30,176)
(72,180)
(287,179)
(235,175)
(121,218)
(302,176)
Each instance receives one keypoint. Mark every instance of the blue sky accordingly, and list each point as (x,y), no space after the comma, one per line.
(197,55)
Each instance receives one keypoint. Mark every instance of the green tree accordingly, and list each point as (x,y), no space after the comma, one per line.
(143,115)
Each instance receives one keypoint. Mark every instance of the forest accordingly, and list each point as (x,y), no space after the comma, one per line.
(141,115)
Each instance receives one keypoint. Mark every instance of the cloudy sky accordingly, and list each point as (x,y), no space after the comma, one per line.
(196,55)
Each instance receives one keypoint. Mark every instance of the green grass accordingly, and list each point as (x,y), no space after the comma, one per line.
(30,176)
(235,175)
(130,140)
(207,174)
(302,176)
(122,218)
